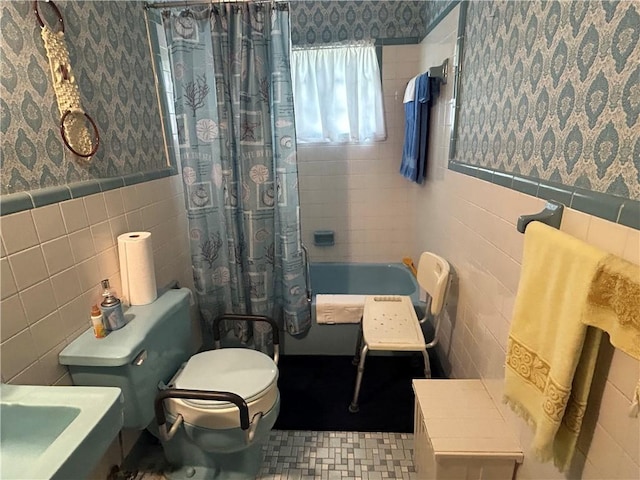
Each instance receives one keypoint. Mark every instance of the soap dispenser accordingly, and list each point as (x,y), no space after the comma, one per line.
(111,308)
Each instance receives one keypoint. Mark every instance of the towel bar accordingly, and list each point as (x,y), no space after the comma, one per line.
(551,215)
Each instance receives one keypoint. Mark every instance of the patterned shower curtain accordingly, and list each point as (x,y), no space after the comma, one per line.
(236,135)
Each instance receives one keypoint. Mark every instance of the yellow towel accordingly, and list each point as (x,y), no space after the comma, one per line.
(551,354)
(614,303)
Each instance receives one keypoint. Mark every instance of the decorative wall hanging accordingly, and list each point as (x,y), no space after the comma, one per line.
(73,127)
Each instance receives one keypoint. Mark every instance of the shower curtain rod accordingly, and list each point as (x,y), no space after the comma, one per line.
(195,3)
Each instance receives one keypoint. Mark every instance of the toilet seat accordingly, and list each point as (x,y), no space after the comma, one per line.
(248,373)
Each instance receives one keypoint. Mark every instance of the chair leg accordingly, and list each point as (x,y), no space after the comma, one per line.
(356,357)
(427,364)
(353,408)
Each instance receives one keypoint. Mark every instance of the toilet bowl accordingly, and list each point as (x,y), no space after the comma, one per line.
(213,427)
(213,410)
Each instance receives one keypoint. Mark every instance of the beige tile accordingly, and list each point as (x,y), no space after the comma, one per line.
(575,223)
(28,267)
(113,201)
(75,217)
(612,416)
(177,185)
(102,237)
(632,247)
(3,251)
(134,221)
(96,208)
(77,313)
(7,282)
(48,221)
(32,375)
(66,286)
(624,373)
(12,317)
(118,227)
(50,366)
(57,254)
(82,245)
(152,215)
(608,236)
(88,274)
(130,198)
(17,353)
(18,231)
(39,301)
(47,333)
(146,193)
(628,469)
(604,452)
(108,262)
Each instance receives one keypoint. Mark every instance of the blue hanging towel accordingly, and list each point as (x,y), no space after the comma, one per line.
(416,132)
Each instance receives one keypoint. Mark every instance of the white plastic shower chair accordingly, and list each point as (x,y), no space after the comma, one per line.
(390,322)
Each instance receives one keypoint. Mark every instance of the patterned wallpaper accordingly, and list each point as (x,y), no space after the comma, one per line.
(551,90)
(109,52)
(336,21)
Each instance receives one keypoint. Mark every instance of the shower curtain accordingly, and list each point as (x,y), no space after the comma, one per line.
(229,66)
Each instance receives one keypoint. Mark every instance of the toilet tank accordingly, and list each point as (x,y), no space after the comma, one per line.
(149,349)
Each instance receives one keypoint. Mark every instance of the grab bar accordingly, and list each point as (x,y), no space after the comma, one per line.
(250,318)
(161,418)
(307,273)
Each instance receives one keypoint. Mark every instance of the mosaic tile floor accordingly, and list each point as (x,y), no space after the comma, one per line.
(335,455)
(297,455)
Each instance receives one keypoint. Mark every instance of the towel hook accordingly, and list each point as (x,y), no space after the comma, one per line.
(551,215)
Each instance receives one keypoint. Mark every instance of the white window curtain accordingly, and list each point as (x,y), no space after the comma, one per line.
(337,94)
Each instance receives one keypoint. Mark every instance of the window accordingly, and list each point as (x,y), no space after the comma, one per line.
(337,94)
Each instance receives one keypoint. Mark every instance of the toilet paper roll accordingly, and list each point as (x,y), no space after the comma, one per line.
(136,268)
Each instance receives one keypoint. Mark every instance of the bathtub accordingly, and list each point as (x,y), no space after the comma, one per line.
(355,279)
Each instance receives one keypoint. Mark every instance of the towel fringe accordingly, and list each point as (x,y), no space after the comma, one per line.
(540,454)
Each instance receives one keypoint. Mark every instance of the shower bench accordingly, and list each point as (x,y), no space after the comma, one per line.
(459,433)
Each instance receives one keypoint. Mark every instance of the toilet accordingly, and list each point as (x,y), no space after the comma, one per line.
(212,411)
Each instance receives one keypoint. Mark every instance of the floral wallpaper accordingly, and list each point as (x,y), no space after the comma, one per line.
(551,90)
(110,58)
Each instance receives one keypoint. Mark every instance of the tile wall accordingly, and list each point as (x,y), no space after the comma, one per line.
(356,190)
(54,257)
(472,223)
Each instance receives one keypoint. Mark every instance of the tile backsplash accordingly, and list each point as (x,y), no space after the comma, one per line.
(53,258)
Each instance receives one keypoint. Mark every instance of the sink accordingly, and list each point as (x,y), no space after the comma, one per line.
(56,432)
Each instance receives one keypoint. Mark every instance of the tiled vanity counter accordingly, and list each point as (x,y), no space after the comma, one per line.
(459,433)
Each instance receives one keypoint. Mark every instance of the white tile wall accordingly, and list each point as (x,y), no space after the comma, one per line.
(54,257)
(356,190)
(472,224)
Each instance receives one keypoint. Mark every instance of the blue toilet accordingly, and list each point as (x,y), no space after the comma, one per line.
(212,411)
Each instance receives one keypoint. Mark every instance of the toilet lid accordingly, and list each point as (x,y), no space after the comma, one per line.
(242,371)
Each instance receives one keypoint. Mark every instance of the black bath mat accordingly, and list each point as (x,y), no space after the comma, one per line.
(316,392)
